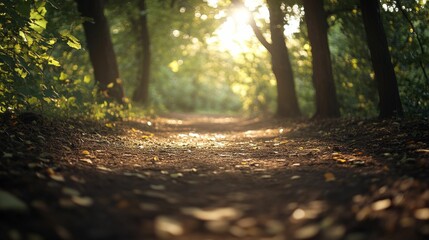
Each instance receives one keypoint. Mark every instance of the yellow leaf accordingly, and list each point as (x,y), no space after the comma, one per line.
(329,177)
(52,61)
(63,76)
(75,45)
(110,85)
(86,79)
(85,152)
(341,160)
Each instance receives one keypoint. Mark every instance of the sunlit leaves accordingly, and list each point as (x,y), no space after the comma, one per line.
(72,41)
(37,17)
(37,45)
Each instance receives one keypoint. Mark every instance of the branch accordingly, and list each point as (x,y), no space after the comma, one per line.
(259,35)
(404,13)
(255,28)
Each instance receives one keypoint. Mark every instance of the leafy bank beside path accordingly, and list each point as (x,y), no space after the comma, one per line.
(214,177)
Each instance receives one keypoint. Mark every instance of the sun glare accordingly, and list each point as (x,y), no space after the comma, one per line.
(235,34)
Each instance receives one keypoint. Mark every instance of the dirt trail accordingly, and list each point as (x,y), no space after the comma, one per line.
(208,177)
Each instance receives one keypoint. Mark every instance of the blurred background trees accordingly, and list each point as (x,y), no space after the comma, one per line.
(203,55)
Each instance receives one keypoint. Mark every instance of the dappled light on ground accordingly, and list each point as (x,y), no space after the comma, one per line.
(218,177)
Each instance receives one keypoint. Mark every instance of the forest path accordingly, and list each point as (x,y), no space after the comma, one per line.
(216,177)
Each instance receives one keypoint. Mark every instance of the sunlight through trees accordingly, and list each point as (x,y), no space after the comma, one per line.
(208,56)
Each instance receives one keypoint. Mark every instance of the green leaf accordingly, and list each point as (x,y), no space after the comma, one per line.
(73,44)
(63,76)
(54,62)
(72,41)
(37,17)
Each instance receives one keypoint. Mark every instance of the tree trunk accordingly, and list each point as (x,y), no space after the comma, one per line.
(142,91)
(100,49)
(390,102)
(323,81)
(287,102)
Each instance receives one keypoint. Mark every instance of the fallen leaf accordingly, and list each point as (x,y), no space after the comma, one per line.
(157,187)
(167,227)
(176,175)
(87,160)
(217,226)
(70,191)
(68,149)
(381,204)
(57,177)
(82,201)
(423,151)
(104,168)
(7,155)
(237,231)
(247,222)
(422,214)
(34,165)
(307,232)
(341,160)
(225,155)
(298,214)
(274,227)
(77,179)
(329,177)
(130,174)
(335,232)
(9,202)
(227,213)
(85,152)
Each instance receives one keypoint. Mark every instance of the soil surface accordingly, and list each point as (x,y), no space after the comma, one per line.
(214,177)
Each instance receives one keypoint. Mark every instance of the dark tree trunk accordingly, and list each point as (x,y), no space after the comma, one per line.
(390,102)
(287,102)
(142,91)
(323,81)
(100,49)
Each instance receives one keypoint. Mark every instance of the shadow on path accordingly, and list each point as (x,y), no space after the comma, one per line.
(200,177)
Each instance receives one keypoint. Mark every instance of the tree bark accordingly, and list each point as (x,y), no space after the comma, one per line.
(323,81)
(141,93)
(287,101)
(100,49)
(390,102)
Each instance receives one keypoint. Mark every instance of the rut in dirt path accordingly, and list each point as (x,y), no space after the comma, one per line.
(207,177)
